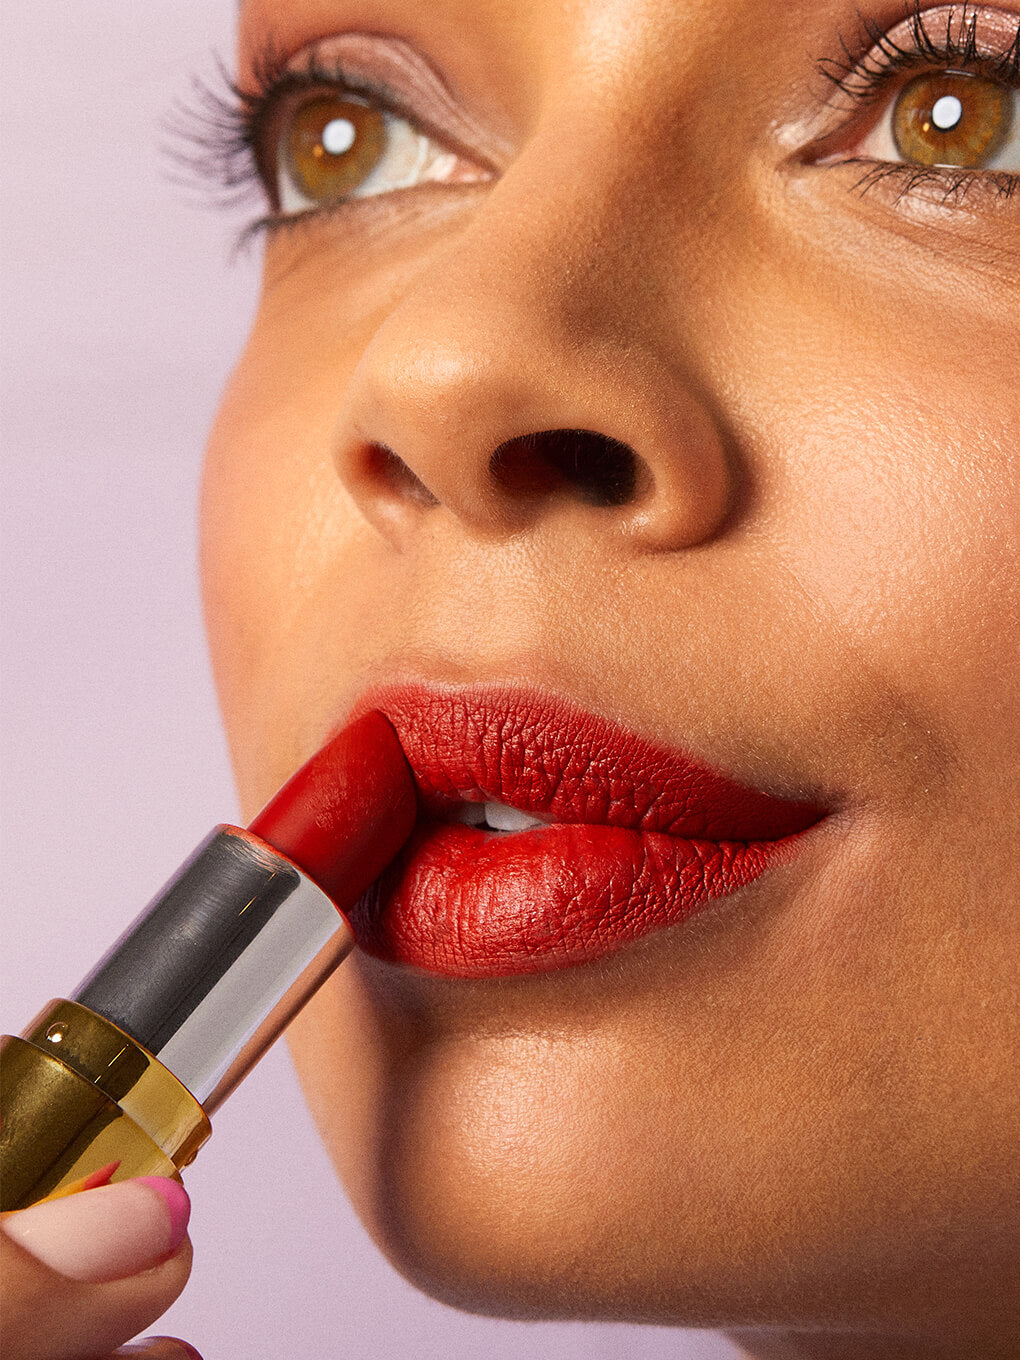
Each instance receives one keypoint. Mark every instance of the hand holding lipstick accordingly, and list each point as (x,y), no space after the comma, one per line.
(83,1273)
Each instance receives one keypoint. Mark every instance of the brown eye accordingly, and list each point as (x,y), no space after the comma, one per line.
(333,144)
(951,118)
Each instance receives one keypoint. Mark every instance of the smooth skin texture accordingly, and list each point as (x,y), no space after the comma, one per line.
(796,1115)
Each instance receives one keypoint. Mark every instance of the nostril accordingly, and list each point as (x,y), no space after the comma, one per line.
(603,471)
(388,469)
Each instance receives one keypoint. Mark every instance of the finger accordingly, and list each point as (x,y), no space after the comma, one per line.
(82,1274)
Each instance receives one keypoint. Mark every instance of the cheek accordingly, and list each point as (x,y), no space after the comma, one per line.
(883,489)
(276,531)
(914,569)
(291,572)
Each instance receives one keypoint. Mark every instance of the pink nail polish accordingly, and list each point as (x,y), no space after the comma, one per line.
(178,1205)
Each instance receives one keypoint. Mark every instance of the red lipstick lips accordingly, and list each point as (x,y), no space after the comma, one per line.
(636,837)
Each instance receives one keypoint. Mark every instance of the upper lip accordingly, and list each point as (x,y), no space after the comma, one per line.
(561,763)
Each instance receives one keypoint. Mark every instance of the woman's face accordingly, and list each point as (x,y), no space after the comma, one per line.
(657,221)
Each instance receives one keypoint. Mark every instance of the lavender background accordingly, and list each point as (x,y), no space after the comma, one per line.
(121,315)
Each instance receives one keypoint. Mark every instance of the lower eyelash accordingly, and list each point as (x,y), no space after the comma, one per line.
(952,186)
(214,133)
(867,72)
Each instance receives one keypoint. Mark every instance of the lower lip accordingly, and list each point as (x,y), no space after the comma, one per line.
(468,903)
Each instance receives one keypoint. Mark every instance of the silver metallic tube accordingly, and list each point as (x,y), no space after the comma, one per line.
(220,961)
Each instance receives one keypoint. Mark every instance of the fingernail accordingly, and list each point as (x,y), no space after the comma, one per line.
(160,1348)
(108,1233)
(178,1205)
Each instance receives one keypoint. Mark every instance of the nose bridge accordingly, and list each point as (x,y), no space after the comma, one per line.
(544,273)
(540,314)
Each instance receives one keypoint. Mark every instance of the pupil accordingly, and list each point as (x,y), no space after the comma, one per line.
(946,112)
(338,136)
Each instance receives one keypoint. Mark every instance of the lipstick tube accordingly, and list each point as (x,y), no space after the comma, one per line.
(129,1069)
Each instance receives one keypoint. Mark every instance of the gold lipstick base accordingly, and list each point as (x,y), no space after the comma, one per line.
(77,1094)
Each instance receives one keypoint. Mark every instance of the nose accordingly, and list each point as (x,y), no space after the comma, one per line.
(520,377)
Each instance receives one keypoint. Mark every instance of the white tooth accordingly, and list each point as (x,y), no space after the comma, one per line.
(472,814)
(503,818)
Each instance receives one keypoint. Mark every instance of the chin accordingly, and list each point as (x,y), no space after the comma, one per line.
(496,1180)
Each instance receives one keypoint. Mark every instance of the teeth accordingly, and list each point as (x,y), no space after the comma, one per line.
(493,816)
(503,818)
(472,814)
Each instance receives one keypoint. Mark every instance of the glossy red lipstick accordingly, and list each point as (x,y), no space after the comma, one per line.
(631,836)
(126,1072)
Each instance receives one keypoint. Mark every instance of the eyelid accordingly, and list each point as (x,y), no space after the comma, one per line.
(392,71)
(932,36)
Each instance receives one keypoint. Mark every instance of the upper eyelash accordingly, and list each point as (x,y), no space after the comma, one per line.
(864,74)
(217,131)
(863,71)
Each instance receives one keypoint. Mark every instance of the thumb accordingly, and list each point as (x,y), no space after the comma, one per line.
(81,1274)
